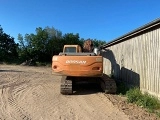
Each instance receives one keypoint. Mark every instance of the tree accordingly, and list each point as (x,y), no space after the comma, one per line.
(47,42)
(70,38)
(40,46)
(23,48)
(8,47)
(98,43)
(55,41)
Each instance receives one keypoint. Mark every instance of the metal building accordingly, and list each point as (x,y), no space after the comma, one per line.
(135,58)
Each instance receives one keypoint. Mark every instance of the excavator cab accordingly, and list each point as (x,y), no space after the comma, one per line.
(72,49)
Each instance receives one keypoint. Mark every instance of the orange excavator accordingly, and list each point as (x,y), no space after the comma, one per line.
(76,64)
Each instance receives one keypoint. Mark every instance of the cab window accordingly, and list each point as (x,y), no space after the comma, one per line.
(70,49)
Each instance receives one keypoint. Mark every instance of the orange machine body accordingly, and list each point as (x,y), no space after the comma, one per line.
(72,62)
(90,66)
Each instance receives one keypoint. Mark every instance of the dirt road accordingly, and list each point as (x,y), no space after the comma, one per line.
(32,93)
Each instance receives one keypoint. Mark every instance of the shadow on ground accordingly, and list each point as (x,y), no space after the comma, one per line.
(10,71)
(86,88)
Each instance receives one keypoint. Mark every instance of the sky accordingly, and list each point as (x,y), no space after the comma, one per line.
(95,19)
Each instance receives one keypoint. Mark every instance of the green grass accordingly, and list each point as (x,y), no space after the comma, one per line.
(43,64)
(135,96)
(152,104)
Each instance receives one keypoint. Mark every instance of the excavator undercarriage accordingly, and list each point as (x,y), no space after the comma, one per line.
(107,84)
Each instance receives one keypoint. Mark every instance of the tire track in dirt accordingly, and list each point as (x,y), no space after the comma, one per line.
(93,107)
(14,110)
(33,93)
(19,111)
(14,84)
(10,108)
(8,81)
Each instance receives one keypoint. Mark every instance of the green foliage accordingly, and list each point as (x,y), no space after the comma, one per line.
(98,43)
(144,100)
(158,113)
(39,46)
(8,47)
(45,43)
(43,64)
(71,39)
(134,95)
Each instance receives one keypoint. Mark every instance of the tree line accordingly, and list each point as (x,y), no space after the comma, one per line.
(39,46)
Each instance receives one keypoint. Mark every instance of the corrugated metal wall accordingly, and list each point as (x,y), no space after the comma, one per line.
(136,61)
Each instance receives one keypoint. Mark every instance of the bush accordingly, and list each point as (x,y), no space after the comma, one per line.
(149,102)
(133,95)
(144,100)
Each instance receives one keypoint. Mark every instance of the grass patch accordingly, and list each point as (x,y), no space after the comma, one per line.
(43,64)
(145,100)
(134,95)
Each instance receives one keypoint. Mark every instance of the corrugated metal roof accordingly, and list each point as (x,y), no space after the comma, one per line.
(134,32)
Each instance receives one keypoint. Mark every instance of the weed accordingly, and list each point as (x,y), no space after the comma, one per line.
(133,95)
(158,113)
(144,100)
(43,64)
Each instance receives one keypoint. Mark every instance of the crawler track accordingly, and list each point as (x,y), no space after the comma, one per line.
(108,85)
(66,85)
